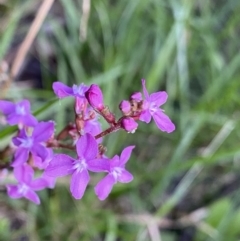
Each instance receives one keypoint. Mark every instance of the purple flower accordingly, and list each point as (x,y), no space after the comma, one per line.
(95,97)
(32,143)
(26,186)
(18,113)
(151,109)
(62,165)
(116,172)
(62,90)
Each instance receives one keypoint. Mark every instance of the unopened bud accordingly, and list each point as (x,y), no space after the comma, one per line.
(129,124)
(136,96)
(125,107)
(95,97)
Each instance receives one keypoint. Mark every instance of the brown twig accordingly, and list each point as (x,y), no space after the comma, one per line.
(108,131)
(65,132)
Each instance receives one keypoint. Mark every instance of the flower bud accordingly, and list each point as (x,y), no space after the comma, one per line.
(95,97)
(129,124)
(136,96)
(125,107)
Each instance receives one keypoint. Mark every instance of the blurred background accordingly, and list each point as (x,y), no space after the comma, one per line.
(186,184)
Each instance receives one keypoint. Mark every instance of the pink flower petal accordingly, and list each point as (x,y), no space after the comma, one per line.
(159,98)
(79,183)
(29,120)
(163,122)
(125,155)
(7,107)
(21,156)
(39,150)
(61,90)
(13,192)
(87,147)
(145,92)
(99,165)
(40,163)
(92,127)
(43,131)
(25,104)
(38,184)
(16,141)
(145,116)
(23,173)
(32,196)
(14,119)
(50,180)
(114,162)
(60,165)
(104,187)
(136,96)
(125,177)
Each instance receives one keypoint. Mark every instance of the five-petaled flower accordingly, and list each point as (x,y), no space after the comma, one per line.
(18,114)
(26,186)
(32,143)
(62,165)
(116,172)
(151,109)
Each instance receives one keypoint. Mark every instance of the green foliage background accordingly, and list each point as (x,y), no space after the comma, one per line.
(190,178)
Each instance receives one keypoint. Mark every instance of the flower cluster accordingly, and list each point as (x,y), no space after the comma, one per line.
(35,141)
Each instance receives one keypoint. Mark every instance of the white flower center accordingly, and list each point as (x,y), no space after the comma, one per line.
(27,143)
(20,110)
(80,90)
(153,108)
(23,188)
(116,172)
(80,165)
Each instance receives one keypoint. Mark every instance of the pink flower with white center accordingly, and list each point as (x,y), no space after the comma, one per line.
(18,113)
(26,186)
(116,172)
(151,108)
(62,165)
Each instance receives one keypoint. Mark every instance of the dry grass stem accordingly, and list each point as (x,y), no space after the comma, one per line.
(27,42)
(86,7)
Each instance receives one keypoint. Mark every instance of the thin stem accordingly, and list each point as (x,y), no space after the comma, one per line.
(64,132)
(108,131)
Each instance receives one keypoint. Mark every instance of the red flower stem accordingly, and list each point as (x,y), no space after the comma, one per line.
(111,129)
(64,132)
(56,144)
(60,145)
(115,127)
